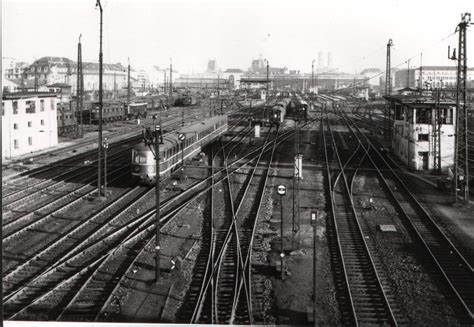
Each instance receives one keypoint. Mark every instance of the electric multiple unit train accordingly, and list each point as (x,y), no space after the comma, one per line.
(197,135)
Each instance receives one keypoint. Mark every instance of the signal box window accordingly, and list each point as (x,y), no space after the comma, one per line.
(423,137)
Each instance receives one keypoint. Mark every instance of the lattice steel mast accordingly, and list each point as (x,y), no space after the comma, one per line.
(388,91)
(461,157)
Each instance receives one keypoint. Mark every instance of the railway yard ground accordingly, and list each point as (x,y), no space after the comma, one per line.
(379,254)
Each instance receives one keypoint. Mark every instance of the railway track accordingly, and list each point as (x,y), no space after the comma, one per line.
(361,292)
(42,286)
(451,265)
(236,298)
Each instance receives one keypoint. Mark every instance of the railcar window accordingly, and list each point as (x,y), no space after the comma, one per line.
(139,159)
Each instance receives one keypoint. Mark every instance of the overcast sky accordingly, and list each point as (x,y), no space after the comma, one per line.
(289,33)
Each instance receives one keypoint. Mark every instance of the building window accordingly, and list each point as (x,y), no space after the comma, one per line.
(41,105)
(15,144)
(52,104)
(30,140)
(423,137)
(30,107)
(423,116)
(399,113)
(3,108)
(447,116)
(15,107)
(15,126)
(30,124)
(42,122)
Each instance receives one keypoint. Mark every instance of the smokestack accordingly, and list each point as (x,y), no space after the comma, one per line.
(329,59)
(320,60)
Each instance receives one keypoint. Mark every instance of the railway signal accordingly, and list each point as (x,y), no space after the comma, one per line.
(314,216)
(281,190)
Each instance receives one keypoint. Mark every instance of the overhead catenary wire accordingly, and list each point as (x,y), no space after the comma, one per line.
(428,49)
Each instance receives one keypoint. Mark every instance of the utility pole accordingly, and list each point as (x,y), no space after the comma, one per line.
(268,75)
(408,73)
(164,81)
(437,132)
(171,78)
(99,147)
(388,91)
(157,195)
(128,87)
(421,72)
(80,86)
(461,157)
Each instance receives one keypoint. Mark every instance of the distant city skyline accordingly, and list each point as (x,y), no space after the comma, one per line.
(235,32)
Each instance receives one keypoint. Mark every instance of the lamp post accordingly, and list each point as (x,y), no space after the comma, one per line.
(281,189)
(157,131)
(99,175)
(105,145)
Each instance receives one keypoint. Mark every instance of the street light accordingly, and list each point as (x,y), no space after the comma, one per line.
(105,145)
(157,131)
(99,193)
(281,189)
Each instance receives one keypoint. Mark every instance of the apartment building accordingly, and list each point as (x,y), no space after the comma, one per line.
(28,122)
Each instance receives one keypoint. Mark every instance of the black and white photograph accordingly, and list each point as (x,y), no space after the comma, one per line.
(237,162)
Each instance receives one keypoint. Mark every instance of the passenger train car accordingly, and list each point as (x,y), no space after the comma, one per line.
(197,135)
(136,110)
(277,113)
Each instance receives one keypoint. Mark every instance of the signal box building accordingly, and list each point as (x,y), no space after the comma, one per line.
(28,122)
(423,131)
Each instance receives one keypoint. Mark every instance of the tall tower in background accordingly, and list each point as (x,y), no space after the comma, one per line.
(320,60)
(329,60)
(212,66)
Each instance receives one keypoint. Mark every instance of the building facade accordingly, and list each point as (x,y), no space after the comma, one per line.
(419,139)
(431,77)
(52,70)
(29,123)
